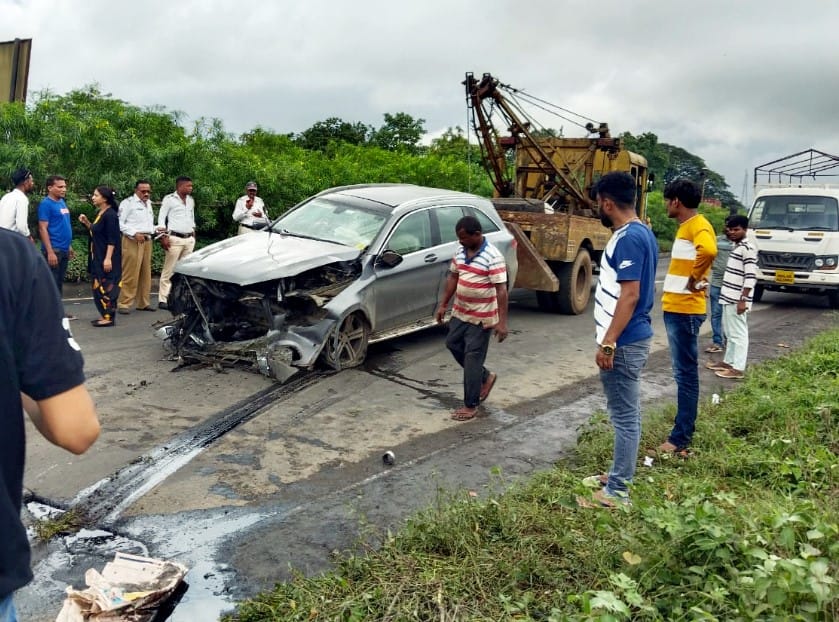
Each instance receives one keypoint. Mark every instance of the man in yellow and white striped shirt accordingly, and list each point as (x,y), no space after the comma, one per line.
(683,303)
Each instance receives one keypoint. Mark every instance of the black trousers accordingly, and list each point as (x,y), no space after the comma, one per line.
(469,343)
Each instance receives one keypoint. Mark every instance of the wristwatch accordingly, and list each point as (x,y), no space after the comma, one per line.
(608,349)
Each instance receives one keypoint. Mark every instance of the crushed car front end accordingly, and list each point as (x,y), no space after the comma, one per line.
(276,326)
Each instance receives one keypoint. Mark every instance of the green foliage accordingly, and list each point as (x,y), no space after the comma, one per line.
(665,227)
(744,530)
(400,132)
(322,133)
(91,138)
(669,163)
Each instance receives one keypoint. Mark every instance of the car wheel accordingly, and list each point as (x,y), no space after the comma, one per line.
(758,293)
(347,344)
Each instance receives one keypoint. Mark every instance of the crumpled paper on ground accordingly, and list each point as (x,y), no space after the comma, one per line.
(129,589)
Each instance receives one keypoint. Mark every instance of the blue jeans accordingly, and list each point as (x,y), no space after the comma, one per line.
(59,271)
(7,609)
(716,315)
(469,343)
(683,335)
(622,386)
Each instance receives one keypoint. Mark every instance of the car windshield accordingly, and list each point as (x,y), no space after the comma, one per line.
(324,218)
(792,212)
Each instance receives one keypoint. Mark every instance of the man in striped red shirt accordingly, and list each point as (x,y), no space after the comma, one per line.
(478,282)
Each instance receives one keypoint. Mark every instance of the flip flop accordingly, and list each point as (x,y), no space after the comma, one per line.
(714,348)
(487,386)
(465,414)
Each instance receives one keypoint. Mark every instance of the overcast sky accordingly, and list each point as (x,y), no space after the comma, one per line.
(736,82)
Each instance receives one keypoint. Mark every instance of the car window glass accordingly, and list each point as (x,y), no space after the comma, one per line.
(413,233)
(332,221)
(447,218)
(487,226)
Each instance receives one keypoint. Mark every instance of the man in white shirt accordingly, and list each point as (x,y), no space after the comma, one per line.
(136,223)
(14,207)
(176,220)
(250,210)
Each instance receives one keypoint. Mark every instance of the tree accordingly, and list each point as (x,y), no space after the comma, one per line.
(669,162)
(332,129)
(400,132)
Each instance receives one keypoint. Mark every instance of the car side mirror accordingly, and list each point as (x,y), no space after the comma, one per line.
(389,259)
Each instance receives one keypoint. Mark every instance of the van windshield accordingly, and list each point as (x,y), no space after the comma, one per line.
(795,213)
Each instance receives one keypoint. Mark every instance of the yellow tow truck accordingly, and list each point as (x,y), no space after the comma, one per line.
(543,191)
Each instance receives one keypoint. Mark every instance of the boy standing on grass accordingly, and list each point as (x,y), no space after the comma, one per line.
(736,298)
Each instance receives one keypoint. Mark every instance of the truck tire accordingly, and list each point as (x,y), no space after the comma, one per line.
(574,286)
(758,293)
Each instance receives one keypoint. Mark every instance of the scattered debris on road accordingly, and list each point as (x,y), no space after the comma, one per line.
(130,588)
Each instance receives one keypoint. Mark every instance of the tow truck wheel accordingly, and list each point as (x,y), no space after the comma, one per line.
(574,287)
(347,345)
(758,293)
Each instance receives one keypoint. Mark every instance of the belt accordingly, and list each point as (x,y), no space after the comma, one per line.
(145,235)
(181,235)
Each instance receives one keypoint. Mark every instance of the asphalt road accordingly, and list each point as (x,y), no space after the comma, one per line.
(240,479)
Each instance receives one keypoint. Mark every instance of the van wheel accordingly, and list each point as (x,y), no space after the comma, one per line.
(758,293)
(574,286)
(346,345)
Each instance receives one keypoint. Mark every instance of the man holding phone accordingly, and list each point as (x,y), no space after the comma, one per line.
(250,211)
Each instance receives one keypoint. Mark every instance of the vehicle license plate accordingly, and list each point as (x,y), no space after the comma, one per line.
(786,277)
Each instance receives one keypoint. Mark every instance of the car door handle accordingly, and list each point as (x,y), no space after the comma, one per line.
(430,258)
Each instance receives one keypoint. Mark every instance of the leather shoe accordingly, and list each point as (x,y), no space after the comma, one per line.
(162,305)
(146,309)
(124,311)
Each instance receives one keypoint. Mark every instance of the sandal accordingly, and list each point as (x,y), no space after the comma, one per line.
(717,366)
(714,348)
(730,372)
(487,386)
(465,414)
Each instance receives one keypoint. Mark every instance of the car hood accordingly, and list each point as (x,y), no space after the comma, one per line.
(256,257)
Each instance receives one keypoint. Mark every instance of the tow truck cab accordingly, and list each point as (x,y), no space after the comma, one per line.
(796,233)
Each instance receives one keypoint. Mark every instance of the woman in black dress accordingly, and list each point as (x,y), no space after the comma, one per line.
(105,256)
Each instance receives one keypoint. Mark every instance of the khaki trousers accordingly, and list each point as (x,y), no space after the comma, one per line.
(178,249)
(136,273)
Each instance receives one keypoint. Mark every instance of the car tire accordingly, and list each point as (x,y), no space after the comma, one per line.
(347,344)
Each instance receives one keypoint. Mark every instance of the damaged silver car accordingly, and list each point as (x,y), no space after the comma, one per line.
(345,268)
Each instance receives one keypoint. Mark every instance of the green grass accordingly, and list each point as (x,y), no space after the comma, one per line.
(65,523)
(745,529)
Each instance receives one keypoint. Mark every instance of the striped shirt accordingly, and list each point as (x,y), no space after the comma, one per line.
(693,253)
(740,273)
(474,299)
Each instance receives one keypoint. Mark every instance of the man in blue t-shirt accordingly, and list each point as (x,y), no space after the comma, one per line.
(622,304)
(41,373)
(56,230)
